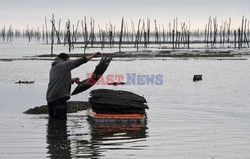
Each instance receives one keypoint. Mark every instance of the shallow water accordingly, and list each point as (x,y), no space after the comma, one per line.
(186,119)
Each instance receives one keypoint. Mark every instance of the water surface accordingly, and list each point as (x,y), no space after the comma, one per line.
(186,119)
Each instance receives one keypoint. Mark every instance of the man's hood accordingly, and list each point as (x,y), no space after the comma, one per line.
(57,60)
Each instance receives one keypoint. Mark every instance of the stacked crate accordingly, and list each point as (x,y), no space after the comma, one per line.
(117,102)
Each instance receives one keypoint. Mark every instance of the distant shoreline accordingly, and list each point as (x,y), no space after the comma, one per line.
(163,53)
(146,54)
(149,54)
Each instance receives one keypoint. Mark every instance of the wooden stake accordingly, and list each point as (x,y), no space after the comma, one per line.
(121,34)
(46,29)
(52,33)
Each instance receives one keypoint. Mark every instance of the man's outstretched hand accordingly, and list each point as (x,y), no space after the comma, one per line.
(97,54)
(76,80)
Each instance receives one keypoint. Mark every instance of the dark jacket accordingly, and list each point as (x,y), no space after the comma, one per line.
(60,78)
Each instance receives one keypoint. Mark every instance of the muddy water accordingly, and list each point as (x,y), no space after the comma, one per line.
(186,119)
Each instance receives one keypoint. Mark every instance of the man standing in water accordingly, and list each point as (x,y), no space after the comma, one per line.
(60,83)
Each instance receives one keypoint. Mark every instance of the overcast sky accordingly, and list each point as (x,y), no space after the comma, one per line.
(21,13)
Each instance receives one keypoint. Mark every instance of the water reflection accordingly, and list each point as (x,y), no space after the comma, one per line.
(57,139)
(92,140)
(101,132)
(107,137)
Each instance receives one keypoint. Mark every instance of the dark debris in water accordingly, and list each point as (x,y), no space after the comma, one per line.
(73,107)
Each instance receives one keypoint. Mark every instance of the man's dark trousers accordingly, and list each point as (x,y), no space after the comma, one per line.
(58,109)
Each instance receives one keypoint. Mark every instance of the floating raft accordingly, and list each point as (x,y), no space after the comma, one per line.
(116,106)
(115,118)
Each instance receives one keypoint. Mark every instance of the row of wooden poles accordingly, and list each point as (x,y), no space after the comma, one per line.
(176,35)
(240,35)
